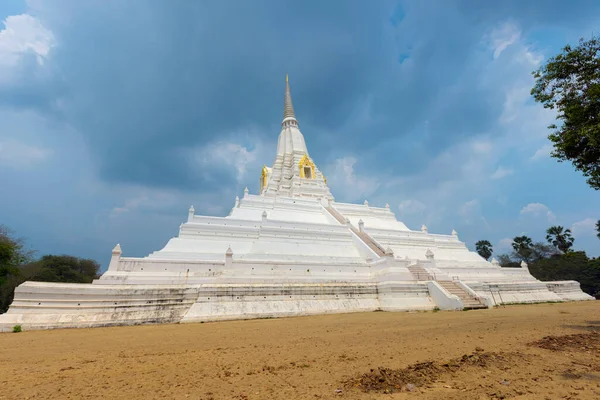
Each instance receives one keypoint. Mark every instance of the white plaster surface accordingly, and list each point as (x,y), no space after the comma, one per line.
(443,299)
(291,250)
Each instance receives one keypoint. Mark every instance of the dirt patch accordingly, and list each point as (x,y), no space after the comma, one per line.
(589,342)
(307,358)
(387,380)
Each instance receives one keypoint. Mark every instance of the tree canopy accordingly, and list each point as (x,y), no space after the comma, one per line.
(570,84)
(12,254)
(560,238)
(574,265)
(17,266)
(484,249)
(522,247)
(555,262)
(63,268)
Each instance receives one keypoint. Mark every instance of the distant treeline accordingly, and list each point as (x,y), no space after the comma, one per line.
(554,260)
(574,266)
(18,265)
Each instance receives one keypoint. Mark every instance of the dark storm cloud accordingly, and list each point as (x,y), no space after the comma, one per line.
(145,79)
(141,106)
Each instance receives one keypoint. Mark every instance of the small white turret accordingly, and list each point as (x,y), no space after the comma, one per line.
(524,265)
(429,254)
(495,262)
(246,192)
(228,257)
(264,215)
(237,201)
(366,203)
(361,225)
(389,252)
(423,229)
(116,258)
(454,233)
(191,212)
(117,250)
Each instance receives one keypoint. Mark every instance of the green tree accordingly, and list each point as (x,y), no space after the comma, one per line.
(7,290)
(12,254)
(522,246)
(560,238)
(13,259)
(508,261)
(541,250)
(49,268)
(16,267)
(574,265)
(570,83)
(484,249)
(598,228)
(63,268)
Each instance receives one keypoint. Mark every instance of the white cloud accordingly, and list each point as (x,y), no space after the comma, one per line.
(501,172)
(503,36)
(130,205)
(505,244)
(529,56)
(23,34)
(542,152)
(471,214)
(586,227)
(229,153)
(538,210)
(232,154)
(411,207)
(482,146)
(144,198)
(450,181)
(514,98)
(469,208)
(343,178)
(21,155)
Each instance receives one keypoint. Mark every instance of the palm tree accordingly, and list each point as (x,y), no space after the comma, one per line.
(598,228)
(484,249)
(560,238)
(522,246)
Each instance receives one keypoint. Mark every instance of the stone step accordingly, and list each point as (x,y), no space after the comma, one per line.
(468,301)
(364,237)
(419,273)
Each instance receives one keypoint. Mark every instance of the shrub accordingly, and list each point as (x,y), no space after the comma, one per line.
(17,329)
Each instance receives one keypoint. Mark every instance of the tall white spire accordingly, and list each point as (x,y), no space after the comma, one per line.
(294,174)
(289,117)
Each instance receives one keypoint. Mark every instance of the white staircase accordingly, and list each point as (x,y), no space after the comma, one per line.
(468,301)
(419,273)
(373,245)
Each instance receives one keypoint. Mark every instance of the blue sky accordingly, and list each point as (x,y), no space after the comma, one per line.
(117,115)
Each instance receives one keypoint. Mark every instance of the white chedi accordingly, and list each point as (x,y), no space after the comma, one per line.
(297,252)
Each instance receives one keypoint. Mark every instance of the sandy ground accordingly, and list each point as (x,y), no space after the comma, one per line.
(484,354)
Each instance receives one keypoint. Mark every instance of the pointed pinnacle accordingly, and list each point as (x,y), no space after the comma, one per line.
(288,108)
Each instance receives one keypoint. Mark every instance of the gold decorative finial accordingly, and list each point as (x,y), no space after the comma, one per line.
(286,78)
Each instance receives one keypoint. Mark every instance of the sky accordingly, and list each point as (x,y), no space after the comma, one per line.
(117,115)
